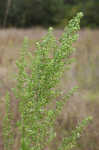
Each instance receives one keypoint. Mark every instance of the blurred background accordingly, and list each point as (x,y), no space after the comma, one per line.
(31,18)
(23,13)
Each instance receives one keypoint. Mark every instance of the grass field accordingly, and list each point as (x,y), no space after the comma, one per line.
(84,73)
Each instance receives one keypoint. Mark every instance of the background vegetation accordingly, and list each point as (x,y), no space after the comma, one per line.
(27,13)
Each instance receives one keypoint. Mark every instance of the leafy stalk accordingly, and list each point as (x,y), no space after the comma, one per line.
(36,88)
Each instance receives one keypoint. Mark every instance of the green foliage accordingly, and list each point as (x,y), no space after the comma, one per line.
(2,11)
(8,135)
(70,142)
(27,13)
(36,90)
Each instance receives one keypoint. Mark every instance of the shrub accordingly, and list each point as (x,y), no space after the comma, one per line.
(37,79)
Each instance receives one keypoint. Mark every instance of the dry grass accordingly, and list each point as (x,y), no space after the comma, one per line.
(85,73)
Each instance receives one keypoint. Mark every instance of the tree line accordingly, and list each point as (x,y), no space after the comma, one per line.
(27,13)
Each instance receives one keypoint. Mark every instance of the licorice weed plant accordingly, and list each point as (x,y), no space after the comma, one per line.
(36,90)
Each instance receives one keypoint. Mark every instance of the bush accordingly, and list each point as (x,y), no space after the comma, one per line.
(37,79)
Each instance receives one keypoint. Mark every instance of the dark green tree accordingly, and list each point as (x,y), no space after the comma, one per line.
(2,10)
(26,13)
(32,12)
